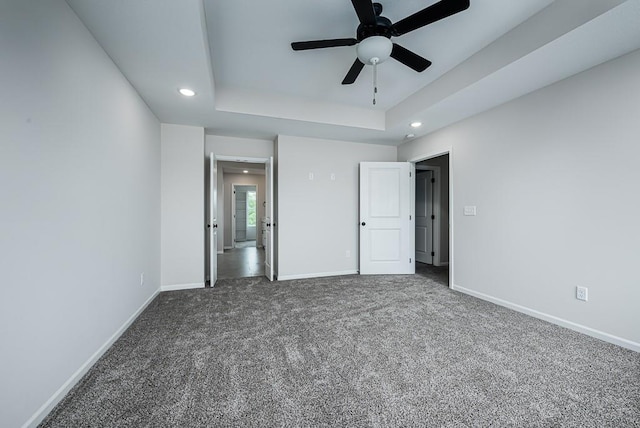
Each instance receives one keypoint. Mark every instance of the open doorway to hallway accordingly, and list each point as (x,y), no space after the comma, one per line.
(245,221)
(432,218)
(241,202)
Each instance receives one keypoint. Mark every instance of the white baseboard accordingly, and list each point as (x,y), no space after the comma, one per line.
(176,287)
(221,252)
(625,343)
(316,275)
(43,411)
(228,248)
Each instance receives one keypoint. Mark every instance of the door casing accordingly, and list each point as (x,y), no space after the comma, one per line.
(213,192)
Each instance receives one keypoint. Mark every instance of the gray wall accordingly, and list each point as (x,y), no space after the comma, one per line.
(317,221)
(555,179)
(80,198)
(183,221)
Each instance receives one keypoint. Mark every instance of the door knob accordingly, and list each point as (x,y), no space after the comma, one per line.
(363,223)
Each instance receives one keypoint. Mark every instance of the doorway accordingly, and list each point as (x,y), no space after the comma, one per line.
(240,201)
(245,220)
(432,226)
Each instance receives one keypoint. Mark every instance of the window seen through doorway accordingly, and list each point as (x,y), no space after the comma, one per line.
(251,208)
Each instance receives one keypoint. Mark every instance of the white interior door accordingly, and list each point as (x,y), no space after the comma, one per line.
(424,217)
(233,215)
(268,248)
(213,220)
(386,224)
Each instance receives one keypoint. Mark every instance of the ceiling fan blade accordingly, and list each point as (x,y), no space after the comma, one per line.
(353,72)
(410,59)
(433,13)
(318,44)
(364,10)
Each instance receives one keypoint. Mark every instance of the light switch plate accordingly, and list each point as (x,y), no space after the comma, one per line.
(470,210)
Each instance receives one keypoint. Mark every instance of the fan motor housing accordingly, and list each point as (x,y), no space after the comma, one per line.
(382,28)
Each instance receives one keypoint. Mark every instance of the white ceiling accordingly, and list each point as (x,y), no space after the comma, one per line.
(236,55)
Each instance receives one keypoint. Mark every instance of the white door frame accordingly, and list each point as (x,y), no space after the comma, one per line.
(227,158)
(269,191)
(212,221)
(437,261)
(247,159)
(431,155)
(233,215)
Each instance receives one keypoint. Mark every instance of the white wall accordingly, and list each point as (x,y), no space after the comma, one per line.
(80,204)
(555,179)
(318,219)
(244,179)
(183,215)
(235,146)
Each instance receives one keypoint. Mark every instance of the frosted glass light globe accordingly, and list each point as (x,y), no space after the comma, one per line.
(374,49)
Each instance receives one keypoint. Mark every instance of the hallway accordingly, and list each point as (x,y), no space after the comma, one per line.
(241,262)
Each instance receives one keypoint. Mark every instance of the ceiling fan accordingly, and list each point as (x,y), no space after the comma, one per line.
(373,35)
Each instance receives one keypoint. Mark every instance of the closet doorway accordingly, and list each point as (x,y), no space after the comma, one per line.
(432,234)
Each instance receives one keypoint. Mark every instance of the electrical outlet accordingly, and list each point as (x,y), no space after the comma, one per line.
(142,278)
(582,293)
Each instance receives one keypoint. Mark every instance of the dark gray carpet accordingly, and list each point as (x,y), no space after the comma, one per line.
(350,351)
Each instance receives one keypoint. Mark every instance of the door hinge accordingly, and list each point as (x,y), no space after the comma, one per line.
(409,259)
(433,180)
(433,217)
(433,254)
(409,174)
(409,216)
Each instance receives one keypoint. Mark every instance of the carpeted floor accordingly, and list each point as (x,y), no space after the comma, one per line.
(350,351)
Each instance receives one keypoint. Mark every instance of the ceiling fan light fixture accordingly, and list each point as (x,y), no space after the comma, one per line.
(374,50)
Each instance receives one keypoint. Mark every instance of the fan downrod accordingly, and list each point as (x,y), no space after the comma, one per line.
(382,26)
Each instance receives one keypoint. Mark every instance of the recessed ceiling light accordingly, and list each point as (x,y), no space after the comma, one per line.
(245,171)
(416,124)
(186,92)
(409,136)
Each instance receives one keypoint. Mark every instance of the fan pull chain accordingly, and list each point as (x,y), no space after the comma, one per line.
(375,81)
